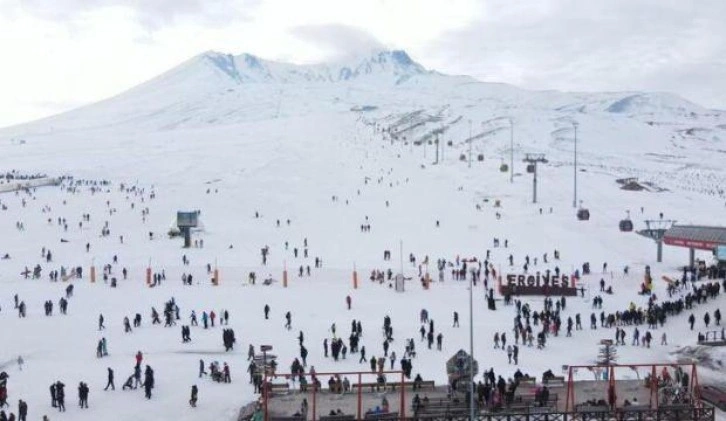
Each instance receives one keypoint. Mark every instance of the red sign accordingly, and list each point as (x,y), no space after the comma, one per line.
(680,242)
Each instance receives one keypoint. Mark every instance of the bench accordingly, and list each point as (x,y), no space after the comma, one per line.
(531,401)
(442,406)
(528,381)
(344,417)
(288,418)
(714,396)
(279,388)
(556,381)
(426,384)
(375,386)
(383,416)
(589,409)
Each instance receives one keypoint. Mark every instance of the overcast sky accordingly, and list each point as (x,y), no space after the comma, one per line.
(59,54)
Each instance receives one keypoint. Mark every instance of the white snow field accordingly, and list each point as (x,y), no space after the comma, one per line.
(231,136)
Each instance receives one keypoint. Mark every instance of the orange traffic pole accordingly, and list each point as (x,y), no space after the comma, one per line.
(148,275)
(284,278)
(93,274)
(355,279)
(216,277)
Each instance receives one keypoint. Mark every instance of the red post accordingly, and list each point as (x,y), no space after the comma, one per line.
(570,390)
(654,386)
(695,387)
(284,278)
(360,396)
(355,279)
(611,381)
(148,276)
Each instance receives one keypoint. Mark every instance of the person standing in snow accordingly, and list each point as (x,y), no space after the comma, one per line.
(193,399)
(109,383)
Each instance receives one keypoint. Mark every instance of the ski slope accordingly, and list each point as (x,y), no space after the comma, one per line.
(285,147)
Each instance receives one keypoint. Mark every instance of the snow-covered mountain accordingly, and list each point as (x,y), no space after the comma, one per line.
(619,129)
(215,88)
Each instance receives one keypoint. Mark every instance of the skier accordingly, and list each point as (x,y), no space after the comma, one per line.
(456,319)
(267,312)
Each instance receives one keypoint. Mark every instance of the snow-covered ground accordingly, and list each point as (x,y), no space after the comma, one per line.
(285,149)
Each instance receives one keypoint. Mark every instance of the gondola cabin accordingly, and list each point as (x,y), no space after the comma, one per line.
(626,225)
(583,214)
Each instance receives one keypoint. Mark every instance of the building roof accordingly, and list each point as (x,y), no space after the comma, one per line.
(695,236)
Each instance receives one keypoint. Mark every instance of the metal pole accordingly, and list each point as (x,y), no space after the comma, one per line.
(511,151)
(401,252)
(471,347)
(360,397)
(534,190)
(442,146)
(574,199)
(264,385)
(469,143)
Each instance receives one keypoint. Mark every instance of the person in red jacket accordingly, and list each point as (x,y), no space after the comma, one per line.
(139,358)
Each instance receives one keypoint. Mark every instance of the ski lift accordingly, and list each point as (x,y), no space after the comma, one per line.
(530,168)
(626,225)
(583,214)
(462,157)
(480,157)
(504,168)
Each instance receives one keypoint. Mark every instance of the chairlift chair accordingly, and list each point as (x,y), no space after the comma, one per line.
(504,168)
(530,168)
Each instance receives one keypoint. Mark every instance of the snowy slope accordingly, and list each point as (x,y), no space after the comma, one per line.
(232,135)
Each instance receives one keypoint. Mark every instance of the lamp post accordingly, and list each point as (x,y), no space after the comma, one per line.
(574,198)
(511,151)
(471,347)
